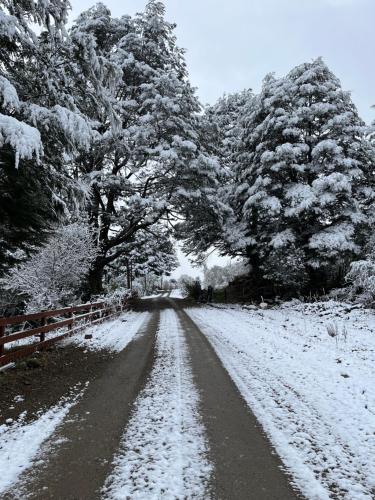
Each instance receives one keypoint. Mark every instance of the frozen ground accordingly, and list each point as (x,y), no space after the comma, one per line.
(112,335)
(20,442)
(163,450)
(313,393)
(177,294)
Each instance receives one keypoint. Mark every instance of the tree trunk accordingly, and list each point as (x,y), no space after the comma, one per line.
(128,278)
(254,261)
(95,279)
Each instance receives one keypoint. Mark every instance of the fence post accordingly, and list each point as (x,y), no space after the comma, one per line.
(2,334)
(42,336)
(70,315)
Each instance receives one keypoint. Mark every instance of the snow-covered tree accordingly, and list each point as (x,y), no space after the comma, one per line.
(52,276)
(222,124)
(207,217)
(220,276)
(41,126)
(150,253)
(304,168)
(39,117)
(147,162)
(18,45)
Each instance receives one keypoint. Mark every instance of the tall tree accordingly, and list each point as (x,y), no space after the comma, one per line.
(19,52)
(205,219)
(40,124)
(304,168)
(147,161)
(149,253)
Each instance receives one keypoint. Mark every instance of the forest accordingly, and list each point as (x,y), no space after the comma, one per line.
(108,158)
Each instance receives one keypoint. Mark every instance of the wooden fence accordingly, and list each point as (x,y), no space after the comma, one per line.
(71,319)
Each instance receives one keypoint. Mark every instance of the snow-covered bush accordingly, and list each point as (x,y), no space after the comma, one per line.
(186,284)
(117,297)
(361,278)
(53,274)
(220,276)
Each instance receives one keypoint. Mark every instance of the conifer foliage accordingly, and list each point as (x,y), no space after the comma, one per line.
(107,113)
(302,180)
(147,158)
(101,119)
(40,125)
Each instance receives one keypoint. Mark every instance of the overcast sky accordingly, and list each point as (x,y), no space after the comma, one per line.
(233,44)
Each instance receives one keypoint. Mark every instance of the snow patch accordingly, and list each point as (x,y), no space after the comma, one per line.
(163,450)
(21,442)
(313,392)
(112,335)
(8,94)
(25,140)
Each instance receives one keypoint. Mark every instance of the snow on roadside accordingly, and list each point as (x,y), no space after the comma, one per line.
(177,294)
(20,442)
(113,335)
(163,452)
(314,394)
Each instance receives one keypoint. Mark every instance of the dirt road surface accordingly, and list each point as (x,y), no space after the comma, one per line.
(78,458)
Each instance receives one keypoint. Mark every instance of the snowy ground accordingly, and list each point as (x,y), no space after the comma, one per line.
(112,335)
(163,449)
(314,394)
(177,294)
(20,443)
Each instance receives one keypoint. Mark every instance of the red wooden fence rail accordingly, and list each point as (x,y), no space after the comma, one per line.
(67,317)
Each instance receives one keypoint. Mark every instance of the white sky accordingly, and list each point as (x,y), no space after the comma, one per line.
(233,44)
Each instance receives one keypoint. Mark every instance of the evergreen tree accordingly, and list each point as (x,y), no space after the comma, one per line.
(206,218)
(41,127)
(26,212)
(149,253)
(19,52)
(147,161)
(304,169)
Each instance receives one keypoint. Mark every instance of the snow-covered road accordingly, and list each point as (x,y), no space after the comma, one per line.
(306,371)
(313,394)
(163,452)
(20,442)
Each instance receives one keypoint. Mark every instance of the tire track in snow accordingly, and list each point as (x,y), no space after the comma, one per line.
(163,451)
